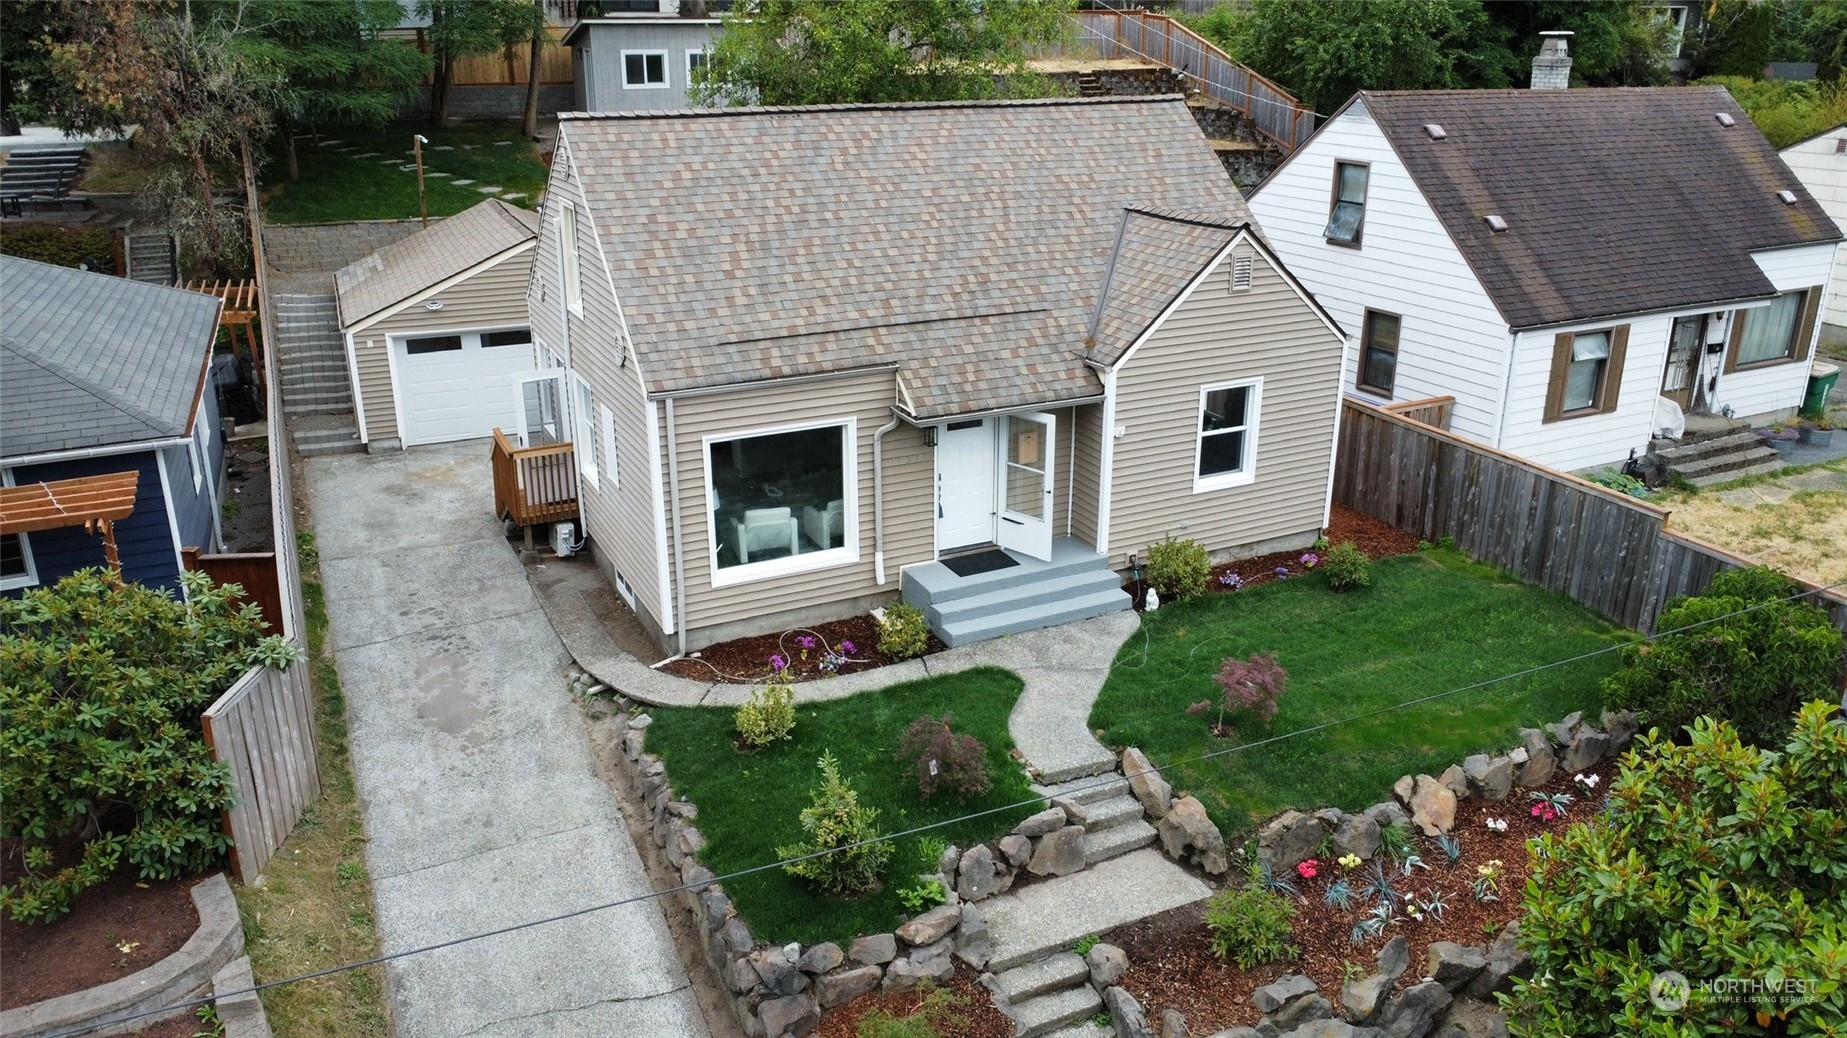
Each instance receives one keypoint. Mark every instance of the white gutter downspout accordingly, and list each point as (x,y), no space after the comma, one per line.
(1507,388)
(679,554)
(1107,469)
(95,452)
(878,497)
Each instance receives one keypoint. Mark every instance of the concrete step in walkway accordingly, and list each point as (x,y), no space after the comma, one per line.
(1055,972)
(1043,919)
(1055,1010)
(1101,845)
(1721,459)
(323,435)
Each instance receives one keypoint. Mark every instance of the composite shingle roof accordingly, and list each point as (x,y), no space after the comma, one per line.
(966,242)
(1617,200)
(1156,255)
(404,268)
(89,360)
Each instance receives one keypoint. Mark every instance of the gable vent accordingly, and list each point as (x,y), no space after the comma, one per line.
(1495,223)
(1435,131)
(1840,146)
(1725,119)
(1241,272)
(1788,197)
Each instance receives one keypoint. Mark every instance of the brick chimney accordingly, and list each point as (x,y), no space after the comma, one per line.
(1552,68)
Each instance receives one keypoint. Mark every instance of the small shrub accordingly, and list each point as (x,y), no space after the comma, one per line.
(1347,567)
(1252,687)
(767,716)
(835,822)
(1085,943)
(1178,569)
(1752,669)
(936,1008)
(1396,839)
(924,894)
(90,248)
(939,757)
(903,632)
(1251,926)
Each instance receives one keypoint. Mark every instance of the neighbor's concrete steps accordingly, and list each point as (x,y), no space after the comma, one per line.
(1721,459)
(315,382)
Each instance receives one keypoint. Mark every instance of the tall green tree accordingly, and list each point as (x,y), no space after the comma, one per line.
(795,52)
(28,28)
(1613,42)
(460,28)
(337,69)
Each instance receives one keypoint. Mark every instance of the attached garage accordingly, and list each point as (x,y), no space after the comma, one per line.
(436,328)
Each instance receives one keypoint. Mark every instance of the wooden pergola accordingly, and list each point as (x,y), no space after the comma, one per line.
(95,503)
(241,309)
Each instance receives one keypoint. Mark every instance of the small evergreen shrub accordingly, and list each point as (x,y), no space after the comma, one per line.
(767,716)
(1251,926)
(1752,669)
(835,822)
(1252,687)
(1178,569)
(941,758)
(937,1007)
(1347,567)
(903,633)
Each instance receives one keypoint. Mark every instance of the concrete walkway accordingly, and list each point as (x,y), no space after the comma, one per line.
(475,778)
(1064,668)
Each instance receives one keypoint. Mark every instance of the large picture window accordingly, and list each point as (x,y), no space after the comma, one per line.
(1347,212)
(1227,449)
(1769,333)
(781,500)
(1379,352)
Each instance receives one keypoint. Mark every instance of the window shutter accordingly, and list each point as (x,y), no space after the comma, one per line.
(1805,332)
(1613,371)
(1561,368)
(1737,343)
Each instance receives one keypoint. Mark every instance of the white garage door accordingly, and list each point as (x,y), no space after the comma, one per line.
(459,385)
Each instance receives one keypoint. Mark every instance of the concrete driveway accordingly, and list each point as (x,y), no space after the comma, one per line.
(474,774)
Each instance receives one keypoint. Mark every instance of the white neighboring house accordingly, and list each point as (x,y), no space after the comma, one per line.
(1558,260)
(1821,162)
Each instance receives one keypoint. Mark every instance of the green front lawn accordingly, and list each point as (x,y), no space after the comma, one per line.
(749,803)
(337,185)
(1429,623)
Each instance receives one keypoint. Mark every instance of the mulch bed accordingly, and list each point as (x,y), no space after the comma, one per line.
(84,948)
(1171,963)
(974,1017)
(746,661)
(186,1025)
(1375,539)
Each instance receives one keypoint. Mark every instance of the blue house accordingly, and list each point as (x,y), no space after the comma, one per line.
(102,376)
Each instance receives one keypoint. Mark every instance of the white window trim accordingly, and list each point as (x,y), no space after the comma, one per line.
(690,55)
(30,579)
(606,427)
(567,260)
(583,427)
(833,558)
(1246,475)
(666,82)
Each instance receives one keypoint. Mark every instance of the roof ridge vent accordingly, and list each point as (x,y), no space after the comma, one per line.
(1495,223)
(1435,131)
(1725,119)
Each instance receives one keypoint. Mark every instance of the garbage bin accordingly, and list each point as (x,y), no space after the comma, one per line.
(1821,382)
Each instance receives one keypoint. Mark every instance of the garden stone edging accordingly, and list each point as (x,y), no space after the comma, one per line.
(186,974)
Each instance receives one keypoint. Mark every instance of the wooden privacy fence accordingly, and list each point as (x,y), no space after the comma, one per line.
(1158,38)
(263,729)
(1432,411)
(1608,551)
(506,66)
(256,571)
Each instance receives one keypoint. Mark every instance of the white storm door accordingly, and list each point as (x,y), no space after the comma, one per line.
(1025,457)
(965,484)
(538,400)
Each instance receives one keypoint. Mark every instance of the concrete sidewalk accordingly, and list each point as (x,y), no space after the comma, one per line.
(475,778)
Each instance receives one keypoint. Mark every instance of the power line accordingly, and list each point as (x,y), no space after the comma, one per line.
(1079,787)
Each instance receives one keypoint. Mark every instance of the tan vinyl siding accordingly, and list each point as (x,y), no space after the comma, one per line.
(1087,453)
(1218,336)
(909,500)
(493,298)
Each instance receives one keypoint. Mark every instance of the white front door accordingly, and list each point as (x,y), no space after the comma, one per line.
(452,385)
(1025,461)
(965,484)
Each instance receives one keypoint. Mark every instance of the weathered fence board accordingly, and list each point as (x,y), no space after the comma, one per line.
(257,572)
(260,729)
(1604,549)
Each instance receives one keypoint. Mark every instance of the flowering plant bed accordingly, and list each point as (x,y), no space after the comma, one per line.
(1172,965)
(806,653)
(1375,539)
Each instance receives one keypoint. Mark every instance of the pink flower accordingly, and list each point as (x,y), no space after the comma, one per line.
(1307,869)
(1544,812)
(778,663)
(848,648)
(805,641)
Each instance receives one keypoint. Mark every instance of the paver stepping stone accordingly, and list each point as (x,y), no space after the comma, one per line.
(463,182)
(502,144)
(442,147)
(470,147)
(330,142)
(437,173)
(489,189)
(511,195)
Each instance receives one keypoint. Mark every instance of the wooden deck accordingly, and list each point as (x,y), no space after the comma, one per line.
(534,485)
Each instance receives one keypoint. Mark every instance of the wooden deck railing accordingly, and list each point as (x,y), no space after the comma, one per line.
(534,484)
(1433,411)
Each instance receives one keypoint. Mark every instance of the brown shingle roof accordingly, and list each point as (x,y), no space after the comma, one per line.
(965,242)
(401,270)
(1618,201)
(1157,254)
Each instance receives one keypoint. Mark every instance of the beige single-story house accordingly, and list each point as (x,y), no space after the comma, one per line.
(435,328)
(983,354)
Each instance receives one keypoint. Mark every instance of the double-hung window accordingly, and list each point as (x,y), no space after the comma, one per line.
(644,69)
(583,427)
(1347,211)
(1587,372)
(1226,452)
(1379,352)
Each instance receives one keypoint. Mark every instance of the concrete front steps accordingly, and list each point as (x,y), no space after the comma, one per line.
(1721,459)
(317,393)
(1075,585)
(1038,979)
(1110,814)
